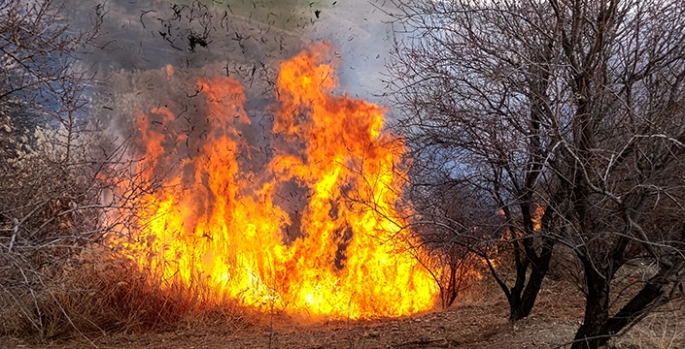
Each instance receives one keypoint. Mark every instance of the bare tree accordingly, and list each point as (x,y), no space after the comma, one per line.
(566,115)
(469,126)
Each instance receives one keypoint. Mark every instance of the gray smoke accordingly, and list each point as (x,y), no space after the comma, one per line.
(243,39)
(144,34)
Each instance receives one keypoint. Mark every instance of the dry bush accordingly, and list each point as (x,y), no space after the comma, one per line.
(66,189)
(58,275)
(565,267)
(456,271)
(50,214)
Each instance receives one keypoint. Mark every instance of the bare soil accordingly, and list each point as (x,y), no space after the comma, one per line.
(481,324)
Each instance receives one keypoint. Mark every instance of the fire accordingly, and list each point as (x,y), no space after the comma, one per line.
(220,223)
(537,218)
(169,70)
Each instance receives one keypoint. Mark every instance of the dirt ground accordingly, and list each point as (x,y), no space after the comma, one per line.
(481,324)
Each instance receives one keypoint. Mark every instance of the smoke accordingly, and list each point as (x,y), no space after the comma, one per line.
(243,39)
(361,31)
(143,35)
(150,55)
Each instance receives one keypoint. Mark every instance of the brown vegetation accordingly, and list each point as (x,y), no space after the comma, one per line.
(547,143)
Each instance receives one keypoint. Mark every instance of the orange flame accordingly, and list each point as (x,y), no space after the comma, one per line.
(537,218)
(222,225)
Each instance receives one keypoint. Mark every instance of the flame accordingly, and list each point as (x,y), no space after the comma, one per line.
(537,218)
(169,70)
(223,225)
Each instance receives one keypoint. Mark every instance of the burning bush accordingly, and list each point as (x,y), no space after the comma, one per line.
(313,230)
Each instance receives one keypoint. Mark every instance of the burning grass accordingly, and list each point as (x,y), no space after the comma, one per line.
(316,229)
(195,225)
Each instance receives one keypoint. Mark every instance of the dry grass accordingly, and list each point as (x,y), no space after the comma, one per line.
(112,303)
(664,329)
(98,294)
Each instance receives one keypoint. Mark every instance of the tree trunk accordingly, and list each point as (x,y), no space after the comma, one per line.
(597,327)
(521,305)
(596,313)
(516,310)
(589,334)
(537,276)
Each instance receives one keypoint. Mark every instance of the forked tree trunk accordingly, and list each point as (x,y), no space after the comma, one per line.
(522,298)
(521,305)
(597,326)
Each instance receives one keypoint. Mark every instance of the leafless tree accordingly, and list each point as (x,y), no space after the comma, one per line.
(469,130)
(566,115)
(39,64)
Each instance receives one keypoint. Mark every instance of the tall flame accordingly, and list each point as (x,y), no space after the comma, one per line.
(228,227)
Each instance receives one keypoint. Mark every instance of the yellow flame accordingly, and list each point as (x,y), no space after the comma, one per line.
(220,225)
